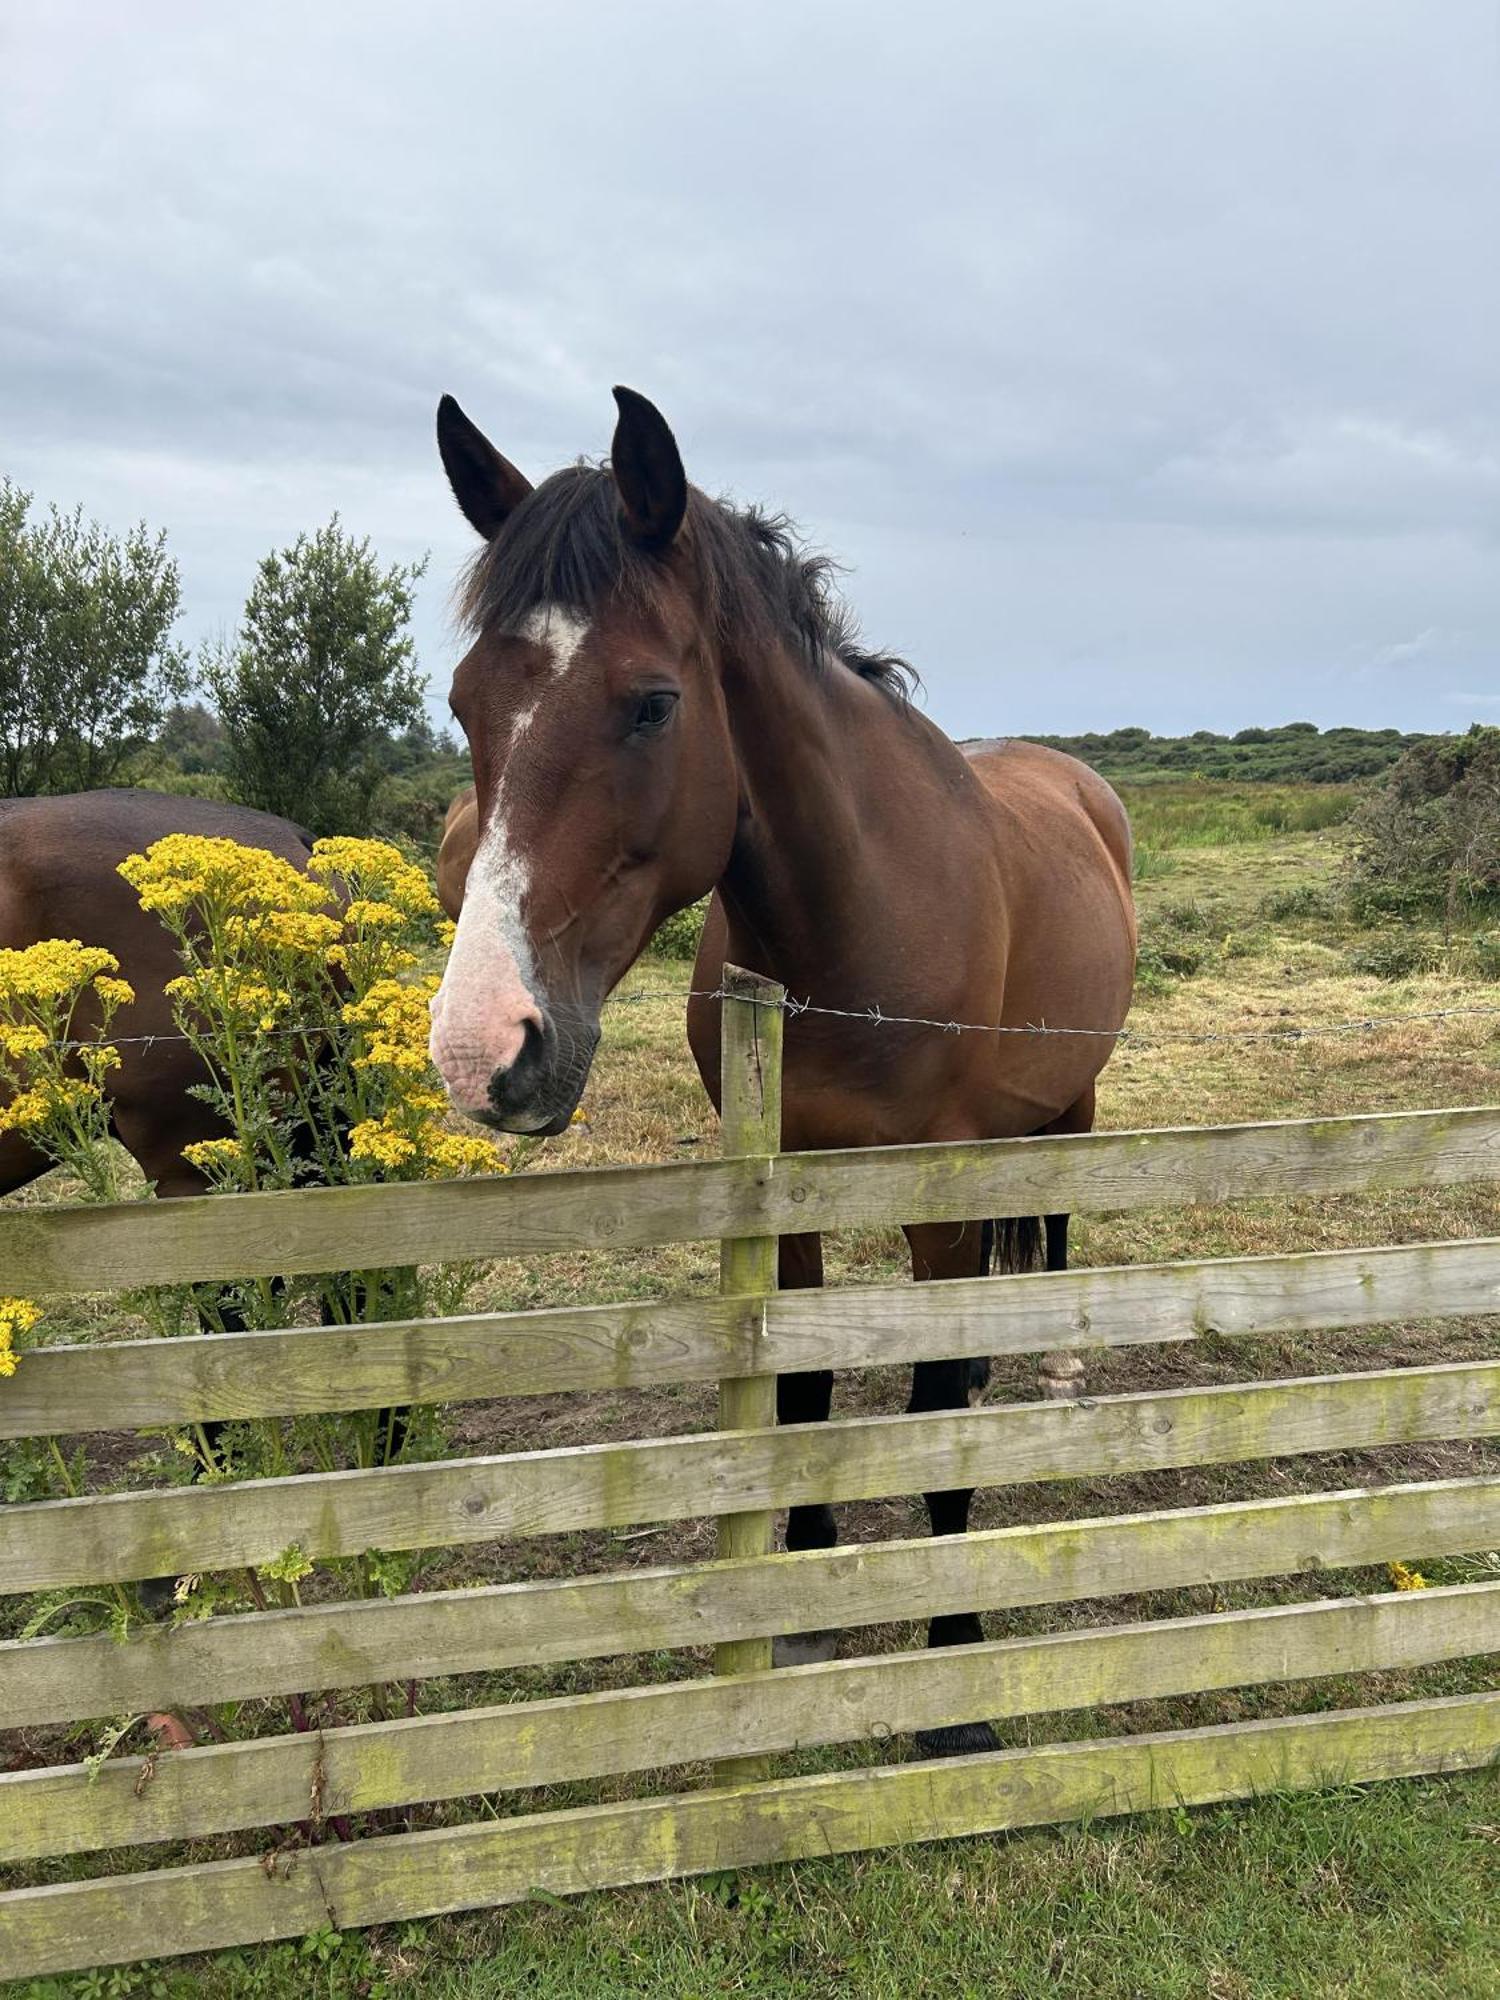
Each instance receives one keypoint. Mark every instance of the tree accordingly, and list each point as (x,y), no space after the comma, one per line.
(191,739)
(321,672)
(87,664)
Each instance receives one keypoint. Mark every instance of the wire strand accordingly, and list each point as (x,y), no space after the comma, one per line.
(875,1016)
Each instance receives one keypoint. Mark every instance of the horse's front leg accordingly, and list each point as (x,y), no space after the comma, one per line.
(805,1398)
(949,1250)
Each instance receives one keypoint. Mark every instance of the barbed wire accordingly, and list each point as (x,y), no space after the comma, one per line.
(876,1016)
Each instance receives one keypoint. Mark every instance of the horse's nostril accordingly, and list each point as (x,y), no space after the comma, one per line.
(512,1088)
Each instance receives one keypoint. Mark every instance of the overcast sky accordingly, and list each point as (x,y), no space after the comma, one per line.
(1141,360)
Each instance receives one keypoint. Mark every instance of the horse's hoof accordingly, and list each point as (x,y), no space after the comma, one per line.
(803,1649)
(157,1595)
(960,1739)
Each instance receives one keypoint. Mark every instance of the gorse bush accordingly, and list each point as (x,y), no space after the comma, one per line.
(1429,837)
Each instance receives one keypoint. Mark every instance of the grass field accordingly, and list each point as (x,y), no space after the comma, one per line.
(1389,1891)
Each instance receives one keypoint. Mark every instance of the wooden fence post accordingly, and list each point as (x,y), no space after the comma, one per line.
(750,1117)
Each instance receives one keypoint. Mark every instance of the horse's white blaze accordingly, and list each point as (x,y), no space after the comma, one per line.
(490,990)
(558,632)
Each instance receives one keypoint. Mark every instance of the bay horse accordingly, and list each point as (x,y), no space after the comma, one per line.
(664,697)
(456,851)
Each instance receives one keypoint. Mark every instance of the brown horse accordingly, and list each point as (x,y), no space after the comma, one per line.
(59,859)
(663,697)
(456,853)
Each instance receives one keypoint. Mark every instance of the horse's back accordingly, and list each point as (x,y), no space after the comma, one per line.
(1053,794)
(1062,876)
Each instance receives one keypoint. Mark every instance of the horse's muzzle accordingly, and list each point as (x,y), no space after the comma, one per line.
(539,1092)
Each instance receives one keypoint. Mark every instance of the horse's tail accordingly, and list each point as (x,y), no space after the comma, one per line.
(1010,1243)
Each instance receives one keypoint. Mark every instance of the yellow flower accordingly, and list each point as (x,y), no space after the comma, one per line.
(363,914)
(184,869)
(460,1153)
(56,969)
(17,1317)
(209,1156)
(46,1098)
(375,1139)
(298,932)
(1404,1578)
(25,1111)
(222,993)
(376,871)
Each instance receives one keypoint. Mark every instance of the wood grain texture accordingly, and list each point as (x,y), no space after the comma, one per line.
(42,1251)
(750,1114)
(274,1781)
(302,1370)
(696,1604)
(69,1926)
(123,1536)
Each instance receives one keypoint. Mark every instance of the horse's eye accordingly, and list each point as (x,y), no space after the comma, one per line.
(653,712)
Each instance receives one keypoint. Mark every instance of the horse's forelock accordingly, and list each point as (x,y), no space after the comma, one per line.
(565,546)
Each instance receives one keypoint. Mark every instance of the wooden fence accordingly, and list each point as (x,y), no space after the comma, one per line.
(745,1712)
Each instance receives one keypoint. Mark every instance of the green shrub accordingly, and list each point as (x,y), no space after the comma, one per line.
(679,936)
(1429,837)
(1396,954)
(1186,918)
(1306,899)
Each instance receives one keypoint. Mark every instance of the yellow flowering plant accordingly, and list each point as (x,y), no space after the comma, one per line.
(57,1000)
(17,1318)
(303,996)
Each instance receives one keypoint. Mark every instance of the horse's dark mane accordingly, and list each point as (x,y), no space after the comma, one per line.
(565,545)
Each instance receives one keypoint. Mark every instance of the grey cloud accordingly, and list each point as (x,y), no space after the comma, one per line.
(1139,359)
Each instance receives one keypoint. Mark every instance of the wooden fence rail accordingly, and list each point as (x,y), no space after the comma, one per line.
(43,1251)
(697,1604)
(638,1344)
(268,1781)
(121,1537)
(727,1610)
(404,1876)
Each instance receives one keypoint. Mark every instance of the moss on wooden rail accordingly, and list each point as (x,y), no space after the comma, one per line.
(300,1370)
(68,1926)
(43,1250)
(119,1537)
(122,1536)
(504,1625)
(190,1794)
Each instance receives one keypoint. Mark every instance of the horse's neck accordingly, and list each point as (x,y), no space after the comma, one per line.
(851,809)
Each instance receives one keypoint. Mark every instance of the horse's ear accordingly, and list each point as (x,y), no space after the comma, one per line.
(648,471)
(486,486)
